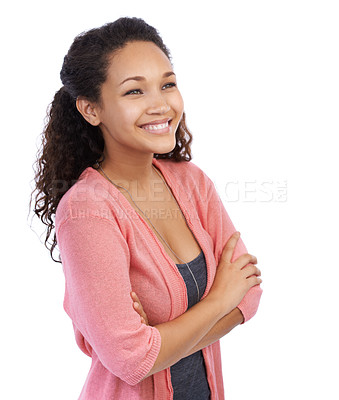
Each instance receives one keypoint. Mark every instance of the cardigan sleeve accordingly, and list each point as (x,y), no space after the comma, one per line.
(95,258)
(220,227)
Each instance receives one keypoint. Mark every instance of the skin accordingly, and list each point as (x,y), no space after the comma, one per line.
(220,329)
(125,107)
(120,114)
(212,317)
(223,326)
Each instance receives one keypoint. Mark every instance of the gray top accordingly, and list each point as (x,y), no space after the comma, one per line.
(188,375)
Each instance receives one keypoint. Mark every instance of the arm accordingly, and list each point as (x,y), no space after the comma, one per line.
(95,259)
(220,329)
(193,326)
(218,224)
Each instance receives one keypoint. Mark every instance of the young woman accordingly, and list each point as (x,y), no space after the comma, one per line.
(155,273)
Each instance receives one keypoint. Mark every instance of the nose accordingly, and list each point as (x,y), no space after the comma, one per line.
(158,105)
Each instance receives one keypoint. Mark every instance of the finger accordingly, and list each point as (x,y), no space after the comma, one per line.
(139,309)
(136,305)
(230,246)
(136,299)
(142,314)
(146,320)
(245,259)
(253,281)
(257,271)
(250,270)
(134,296)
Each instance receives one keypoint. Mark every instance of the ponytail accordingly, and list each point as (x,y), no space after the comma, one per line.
(74,143)
(69,145)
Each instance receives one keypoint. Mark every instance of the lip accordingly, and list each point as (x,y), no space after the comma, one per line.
(163,131)
(158,121)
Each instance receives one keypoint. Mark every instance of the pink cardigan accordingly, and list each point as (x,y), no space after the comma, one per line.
(107,250)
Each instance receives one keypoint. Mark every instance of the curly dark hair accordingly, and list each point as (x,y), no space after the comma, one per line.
(69,143)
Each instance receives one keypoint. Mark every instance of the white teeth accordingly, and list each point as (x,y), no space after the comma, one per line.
(156,127)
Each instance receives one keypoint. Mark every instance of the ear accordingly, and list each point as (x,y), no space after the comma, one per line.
(88,110)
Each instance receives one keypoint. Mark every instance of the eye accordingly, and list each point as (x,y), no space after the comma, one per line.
(169,85)
(133,91)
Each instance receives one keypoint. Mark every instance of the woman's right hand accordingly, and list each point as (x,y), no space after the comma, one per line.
(233,280)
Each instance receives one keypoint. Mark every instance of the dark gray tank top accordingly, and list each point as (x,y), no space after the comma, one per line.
(188,375)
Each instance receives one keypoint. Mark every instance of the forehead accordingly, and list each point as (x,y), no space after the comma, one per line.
(138,58)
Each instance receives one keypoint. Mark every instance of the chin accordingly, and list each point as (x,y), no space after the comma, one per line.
(165,148)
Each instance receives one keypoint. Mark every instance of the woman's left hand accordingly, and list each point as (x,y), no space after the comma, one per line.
(139,308)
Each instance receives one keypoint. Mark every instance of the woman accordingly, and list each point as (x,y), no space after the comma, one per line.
(155,272)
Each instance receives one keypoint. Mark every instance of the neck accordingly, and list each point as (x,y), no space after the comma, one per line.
(136,174)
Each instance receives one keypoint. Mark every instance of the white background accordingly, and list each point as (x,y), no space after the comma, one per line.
(260,82)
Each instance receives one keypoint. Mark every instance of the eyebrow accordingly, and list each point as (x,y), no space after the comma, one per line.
(142,78)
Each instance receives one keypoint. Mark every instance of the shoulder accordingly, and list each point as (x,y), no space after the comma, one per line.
(188,180)
(90,195)
(184,170)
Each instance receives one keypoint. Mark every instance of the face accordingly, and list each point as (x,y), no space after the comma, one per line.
(141,105)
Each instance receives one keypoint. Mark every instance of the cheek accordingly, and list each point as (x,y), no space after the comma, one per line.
(123,116)
(178,103)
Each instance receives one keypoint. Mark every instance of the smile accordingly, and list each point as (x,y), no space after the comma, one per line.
(161,127)
(155,127)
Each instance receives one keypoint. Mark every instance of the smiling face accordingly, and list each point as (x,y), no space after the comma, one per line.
(141,106)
